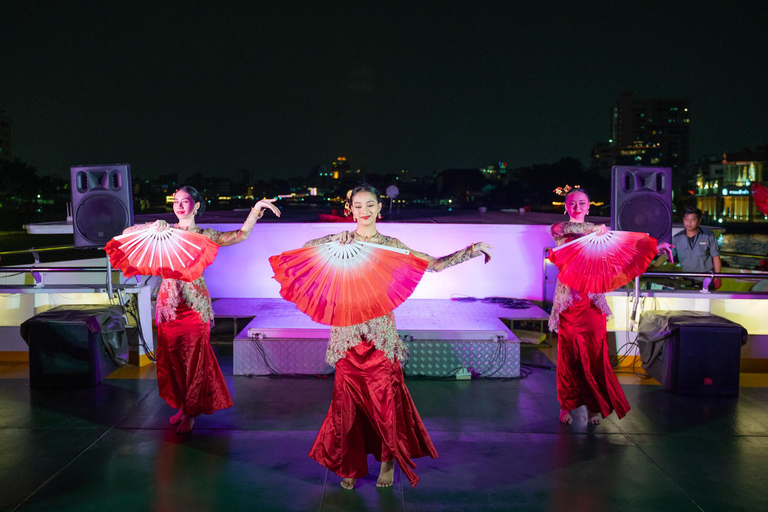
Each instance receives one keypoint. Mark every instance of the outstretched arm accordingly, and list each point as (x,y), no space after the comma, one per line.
(562,229)
(466,254)
(257,212)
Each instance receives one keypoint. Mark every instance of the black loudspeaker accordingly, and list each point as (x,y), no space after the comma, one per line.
(691,352)
(641,200)
(704,360)
(102,203)
(76,345)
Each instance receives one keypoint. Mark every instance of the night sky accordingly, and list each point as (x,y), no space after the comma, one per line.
(279,86)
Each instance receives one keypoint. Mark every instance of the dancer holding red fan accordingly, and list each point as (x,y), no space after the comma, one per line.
(188,374)
(352,281)
(594,261)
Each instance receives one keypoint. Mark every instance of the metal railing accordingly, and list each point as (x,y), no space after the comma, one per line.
(35,251)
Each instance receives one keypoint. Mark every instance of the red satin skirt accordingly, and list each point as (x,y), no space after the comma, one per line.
(188,374)
(371,412)
(584,373)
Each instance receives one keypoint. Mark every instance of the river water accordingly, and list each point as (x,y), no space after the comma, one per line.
(745,244)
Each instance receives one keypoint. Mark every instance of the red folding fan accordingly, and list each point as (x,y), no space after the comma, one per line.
(760,195)
(171,253)
(601,263)
(347,284)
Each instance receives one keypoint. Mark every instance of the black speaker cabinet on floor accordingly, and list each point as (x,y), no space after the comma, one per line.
(75,345)
(641,200)
(691,352)
(102,203)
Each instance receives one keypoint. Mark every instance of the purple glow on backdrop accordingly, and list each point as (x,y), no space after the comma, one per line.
(516,269)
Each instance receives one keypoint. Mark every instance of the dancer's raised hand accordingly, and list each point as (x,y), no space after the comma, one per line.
(483,248)
(265,204)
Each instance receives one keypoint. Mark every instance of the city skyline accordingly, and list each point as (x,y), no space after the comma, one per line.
(277,89)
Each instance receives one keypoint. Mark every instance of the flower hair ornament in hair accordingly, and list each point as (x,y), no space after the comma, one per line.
(563,191)
(348,204)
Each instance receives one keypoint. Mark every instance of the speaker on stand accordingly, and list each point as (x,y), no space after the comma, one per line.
(641,200)
(102,203)
(102,206)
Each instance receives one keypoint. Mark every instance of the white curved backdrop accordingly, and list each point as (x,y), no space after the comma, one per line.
(516,269)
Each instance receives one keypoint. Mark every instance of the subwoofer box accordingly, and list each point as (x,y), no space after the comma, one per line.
(700,353)
(75,345)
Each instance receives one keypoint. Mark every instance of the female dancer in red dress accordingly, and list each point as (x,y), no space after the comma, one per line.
(584,372)
(188,374)
(371,410)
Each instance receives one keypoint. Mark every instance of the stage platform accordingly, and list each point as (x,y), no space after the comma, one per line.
(445,338)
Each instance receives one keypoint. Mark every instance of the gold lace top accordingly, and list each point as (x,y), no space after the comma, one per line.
(562,233)
(382,331)
(195,294)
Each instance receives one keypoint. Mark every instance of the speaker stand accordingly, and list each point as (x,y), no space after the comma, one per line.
(110,291)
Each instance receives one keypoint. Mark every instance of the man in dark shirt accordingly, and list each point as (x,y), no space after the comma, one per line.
(696,246)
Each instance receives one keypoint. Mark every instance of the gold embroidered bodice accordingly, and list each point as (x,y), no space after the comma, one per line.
(173,292)
(194,294)
(565,297)
(382,331)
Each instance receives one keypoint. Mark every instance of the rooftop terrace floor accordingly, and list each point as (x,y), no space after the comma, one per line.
(501,447)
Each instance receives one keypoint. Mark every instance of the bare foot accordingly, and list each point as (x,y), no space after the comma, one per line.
(176,418)
(594,418)
(565,417)
(348,483)
(387,474)
(185,425)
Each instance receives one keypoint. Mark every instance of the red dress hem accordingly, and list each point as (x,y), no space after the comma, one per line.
(371,412)
(584,372)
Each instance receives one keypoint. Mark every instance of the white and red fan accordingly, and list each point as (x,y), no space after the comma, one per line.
(171,253)
(347,284)
(601,263)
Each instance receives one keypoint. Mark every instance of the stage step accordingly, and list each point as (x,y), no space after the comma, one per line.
(444,338)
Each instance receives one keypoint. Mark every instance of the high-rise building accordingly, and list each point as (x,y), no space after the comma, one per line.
(5,136)
(652,132)
(341,168)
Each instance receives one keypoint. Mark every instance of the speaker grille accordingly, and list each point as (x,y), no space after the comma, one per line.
(99,217)
(645,213)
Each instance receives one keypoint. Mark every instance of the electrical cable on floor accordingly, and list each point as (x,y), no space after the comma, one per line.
(132,311)
(624,351)
(505,302)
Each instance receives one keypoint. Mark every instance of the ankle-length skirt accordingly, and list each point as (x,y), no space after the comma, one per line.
(371,412)
(584,372)
(188,374)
